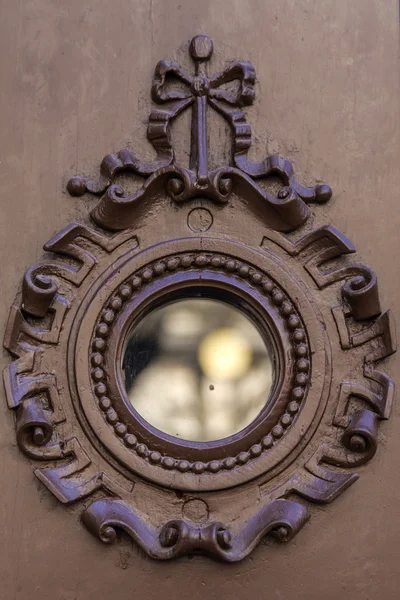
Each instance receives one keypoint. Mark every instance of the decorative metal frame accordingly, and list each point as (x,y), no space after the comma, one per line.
(219,231)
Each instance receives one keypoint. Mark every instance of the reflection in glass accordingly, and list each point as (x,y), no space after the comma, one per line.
(197,369)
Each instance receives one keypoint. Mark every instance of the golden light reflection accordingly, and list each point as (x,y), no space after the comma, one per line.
(197,369)
(225,354)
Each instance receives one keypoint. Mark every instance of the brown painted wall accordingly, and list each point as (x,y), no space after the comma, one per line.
(75,81)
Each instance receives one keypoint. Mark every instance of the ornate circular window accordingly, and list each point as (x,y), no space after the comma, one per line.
(195,346)
(198,368)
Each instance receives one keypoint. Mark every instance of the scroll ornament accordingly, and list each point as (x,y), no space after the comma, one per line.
(73,422)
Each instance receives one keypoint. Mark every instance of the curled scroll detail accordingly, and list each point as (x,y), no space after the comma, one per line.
(280,518)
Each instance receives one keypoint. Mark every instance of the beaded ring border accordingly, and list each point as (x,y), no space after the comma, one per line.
(241,269)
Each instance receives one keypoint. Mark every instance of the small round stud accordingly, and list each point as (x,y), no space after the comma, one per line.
(142,450)
(99,344)
(286,421)
(136,282)
(125,291)
(98,374)
(116,303)
(298,336)
(301,350)
(286,309)
(277,297)
(301,379)
(256,277)
(277,431)
(112,416)
(268,286)
(229,462)
(105,403)
(256,450)
(76,186)
(323,193)
(199,467)
(293,407)
(130,440)
(293,322)
(159,268)
(147,274)
(100,389)
(303,365)
(267,442)
(109,316)
(172,264)
(186,261)
(216,262)
(201,260)
(167,462)
(120,429)
(214,466)
(201,48)
(155,457)
(96,359)
(102,330)
(183,466)
(243,458)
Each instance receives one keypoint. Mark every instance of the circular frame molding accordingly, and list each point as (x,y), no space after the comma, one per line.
(231,240)
(142,448)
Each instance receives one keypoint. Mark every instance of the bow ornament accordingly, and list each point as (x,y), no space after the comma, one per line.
(199,90)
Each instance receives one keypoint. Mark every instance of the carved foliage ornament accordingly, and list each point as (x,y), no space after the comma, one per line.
(232,239)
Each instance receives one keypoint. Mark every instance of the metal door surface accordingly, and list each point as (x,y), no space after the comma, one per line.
(75,85)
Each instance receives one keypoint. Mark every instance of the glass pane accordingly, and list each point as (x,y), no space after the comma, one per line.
(197,369)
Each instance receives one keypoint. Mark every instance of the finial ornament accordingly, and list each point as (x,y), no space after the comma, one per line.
(200,92)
